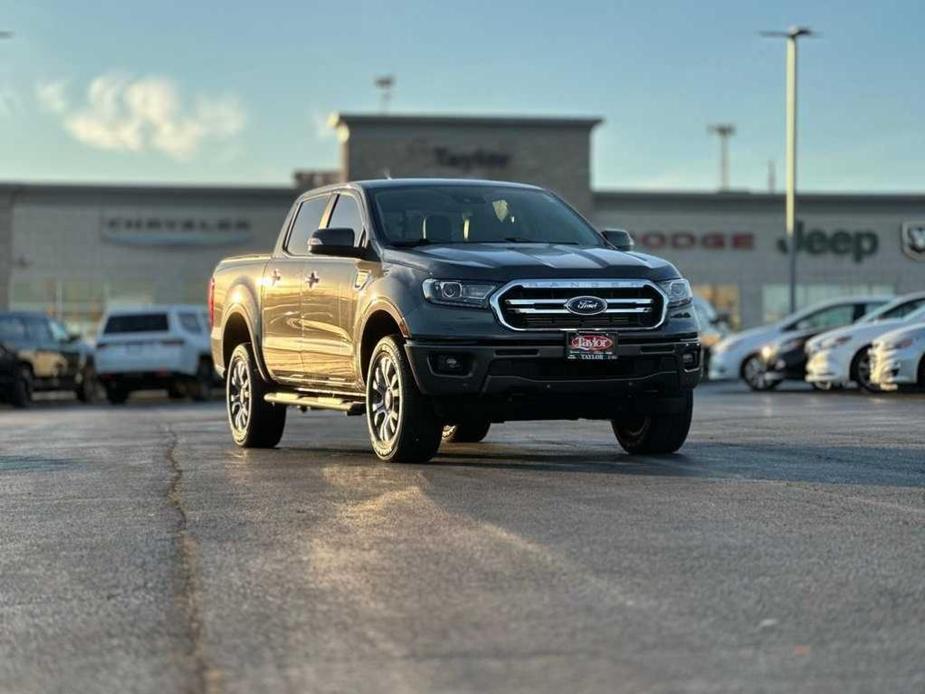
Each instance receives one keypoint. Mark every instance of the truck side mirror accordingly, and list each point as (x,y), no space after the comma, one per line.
(619,239)
(335,241)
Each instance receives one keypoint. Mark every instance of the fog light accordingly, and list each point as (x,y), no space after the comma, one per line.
(690,360)
(450,364)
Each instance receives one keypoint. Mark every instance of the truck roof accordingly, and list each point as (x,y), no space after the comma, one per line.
(383,183)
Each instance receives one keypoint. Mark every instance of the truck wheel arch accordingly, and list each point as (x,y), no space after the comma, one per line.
(381,321)
(237,330)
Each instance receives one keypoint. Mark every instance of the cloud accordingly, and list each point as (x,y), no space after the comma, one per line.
(142,114)
(10,104)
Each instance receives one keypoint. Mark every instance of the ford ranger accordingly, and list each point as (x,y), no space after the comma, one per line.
(436,308)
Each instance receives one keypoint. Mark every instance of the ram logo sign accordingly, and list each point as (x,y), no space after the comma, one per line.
(913,240)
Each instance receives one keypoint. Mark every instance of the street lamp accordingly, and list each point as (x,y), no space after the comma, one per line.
(791,35)
(724,131)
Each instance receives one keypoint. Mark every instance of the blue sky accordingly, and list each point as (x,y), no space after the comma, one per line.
(233,92)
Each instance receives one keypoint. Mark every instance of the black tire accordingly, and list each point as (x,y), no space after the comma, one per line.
(826,387)
(21,390)
(403,426)
(201,389)
(254,422)
(921,378)
(753,373)
(663,433)
(116,393)
(466,431)
(88,388)
(860,371)
(176,391)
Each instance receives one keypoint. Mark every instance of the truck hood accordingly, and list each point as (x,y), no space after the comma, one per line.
(529,261)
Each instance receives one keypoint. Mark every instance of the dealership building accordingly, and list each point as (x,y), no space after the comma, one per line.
(73,250)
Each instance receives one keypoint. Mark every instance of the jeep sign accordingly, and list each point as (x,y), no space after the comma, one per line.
(857,244)
(913,240)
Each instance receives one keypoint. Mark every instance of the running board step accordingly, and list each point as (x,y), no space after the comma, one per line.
(318,402)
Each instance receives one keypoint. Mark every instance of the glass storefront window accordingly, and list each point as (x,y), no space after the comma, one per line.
(725,300)
(775,298)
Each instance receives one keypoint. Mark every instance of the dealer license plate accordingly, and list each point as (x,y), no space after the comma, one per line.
(590,346)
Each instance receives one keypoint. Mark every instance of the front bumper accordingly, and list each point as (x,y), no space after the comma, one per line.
(536,374)
(785,366)
(725,365)
(829,367)
(891,369)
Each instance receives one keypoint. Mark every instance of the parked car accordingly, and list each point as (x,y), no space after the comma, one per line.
(897,359)
(739,355)
(713,328)
(839,357)
(155,348)
(13,382)
(439,307)
(46,358)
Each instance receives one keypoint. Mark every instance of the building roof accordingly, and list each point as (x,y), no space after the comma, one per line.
(744,199)
(385,119)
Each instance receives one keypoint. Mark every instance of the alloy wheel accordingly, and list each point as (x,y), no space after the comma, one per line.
(239,396)
(386,401)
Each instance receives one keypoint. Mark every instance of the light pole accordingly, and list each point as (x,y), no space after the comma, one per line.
(724,131)
(385,84)
(792,35)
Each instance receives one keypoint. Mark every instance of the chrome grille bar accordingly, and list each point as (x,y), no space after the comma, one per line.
(548,311)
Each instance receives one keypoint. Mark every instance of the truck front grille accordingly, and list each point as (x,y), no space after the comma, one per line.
(541,305)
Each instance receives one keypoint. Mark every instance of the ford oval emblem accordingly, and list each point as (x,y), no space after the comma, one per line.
(586,305)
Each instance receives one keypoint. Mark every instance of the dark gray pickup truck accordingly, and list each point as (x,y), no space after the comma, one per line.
(438,307)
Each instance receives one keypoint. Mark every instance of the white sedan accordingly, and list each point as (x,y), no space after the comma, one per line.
(739,355)
(897,359)
(839,357)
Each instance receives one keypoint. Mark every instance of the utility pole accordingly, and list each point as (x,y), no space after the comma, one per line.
(385,84)
(724,131)
(792,35)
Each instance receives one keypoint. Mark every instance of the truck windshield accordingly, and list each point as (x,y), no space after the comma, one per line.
(458,214)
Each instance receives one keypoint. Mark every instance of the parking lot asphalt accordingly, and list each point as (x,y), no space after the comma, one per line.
(782,551)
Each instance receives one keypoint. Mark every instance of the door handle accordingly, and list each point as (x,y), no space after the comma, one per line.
(312,279)
(275,276)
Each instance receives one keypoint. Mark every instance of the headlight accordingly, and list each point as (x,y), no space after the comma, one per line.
(458,292)
(727,344)
(833,342)
(900,344)
(678,291)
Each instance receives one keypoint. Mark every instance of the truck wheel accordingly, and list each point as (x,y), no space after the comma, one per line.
(860,371)
(254,422)
(662,433)
(753,373)
(116,393)
(403,427)
(21,391)
(201,389)
(467,431)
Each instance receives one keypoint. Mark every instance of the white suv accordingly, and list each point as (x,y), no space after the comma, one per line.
(155,347)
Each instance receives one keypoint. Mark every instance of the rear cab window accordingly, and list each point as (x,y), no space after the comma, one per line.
(136,323)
